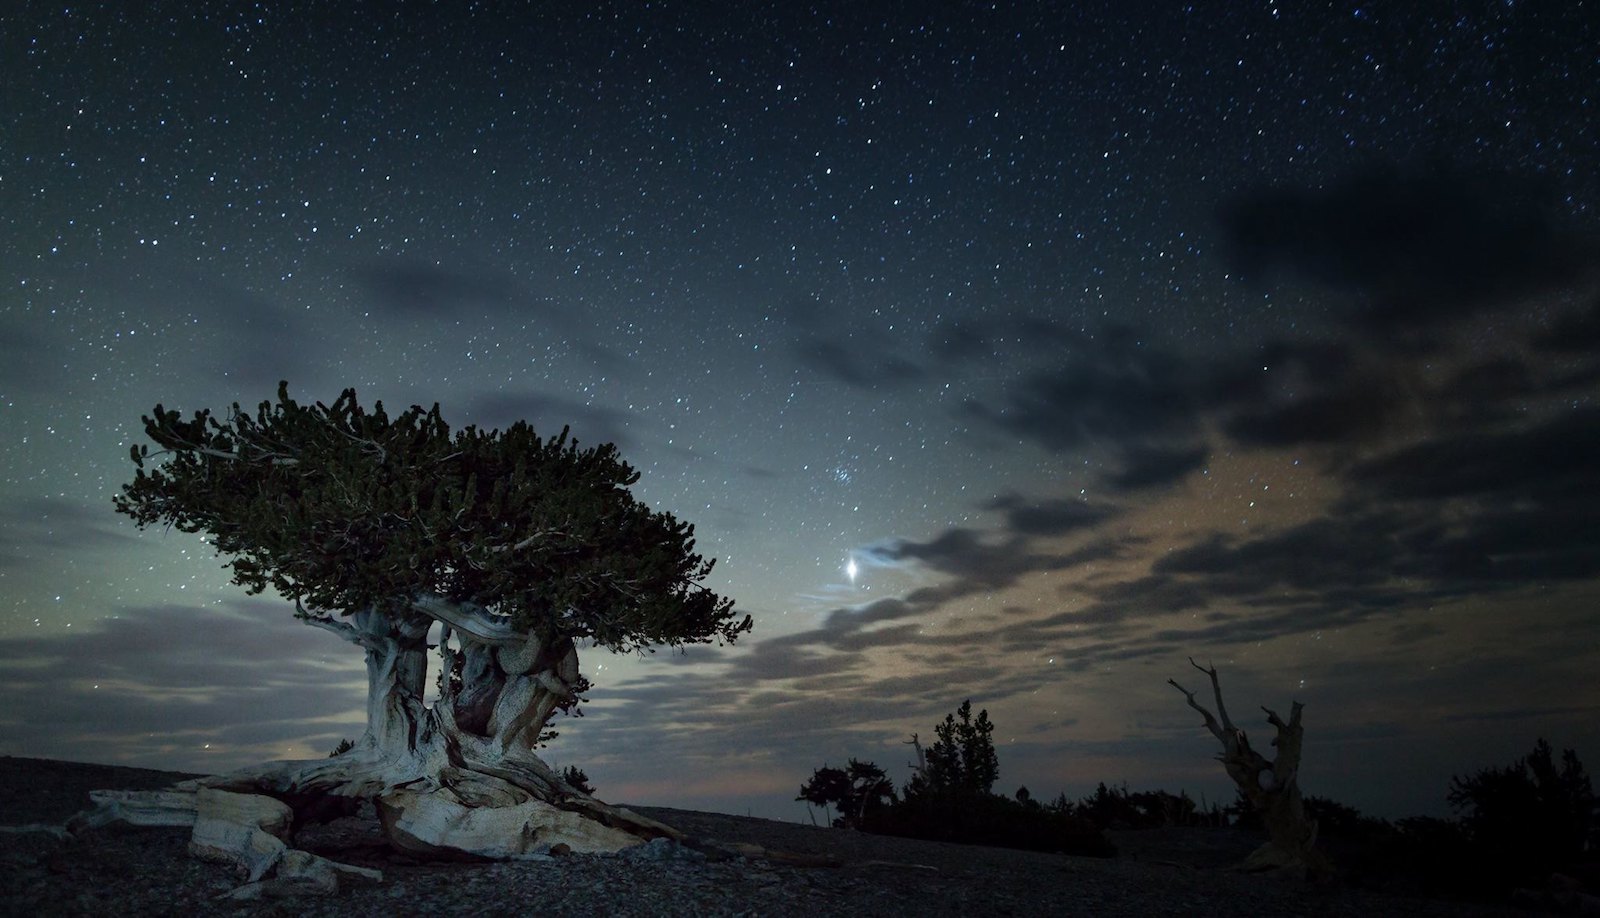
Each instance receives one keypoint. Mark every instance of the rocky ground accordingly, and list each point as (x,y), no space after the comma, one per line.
(129,871)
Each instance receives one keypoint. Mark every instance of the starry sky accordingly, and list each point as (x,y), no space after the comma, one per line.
(1011,352)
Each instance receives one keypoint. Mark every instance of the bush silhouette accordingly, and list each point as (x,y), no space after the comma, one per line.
(948,797)
(1529,817)
(990,819)
(853,791)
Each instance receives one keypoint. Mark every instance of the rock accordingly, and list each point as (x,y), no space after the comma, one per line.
(434,825)
(246,830)
(59,833)
(664,849)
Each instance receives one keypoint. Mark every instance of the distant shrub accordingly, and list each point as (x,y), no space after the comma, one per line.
(1530,817)
(853,791)
(574,776)
(1335,820)
(343,747)
(990,819)
(1119,808)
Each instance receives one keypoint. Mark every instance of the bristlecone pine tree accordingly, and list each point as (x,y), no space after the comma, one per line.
(521,548)
(1271,786)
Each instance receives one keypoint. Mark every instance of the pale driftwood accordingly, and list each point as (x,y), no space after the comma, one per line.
(136,808)
(432,824)
(1271,786)
(247,831)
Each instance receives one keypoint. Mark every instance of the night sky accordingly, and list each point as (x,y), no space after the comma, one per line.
(1011,352)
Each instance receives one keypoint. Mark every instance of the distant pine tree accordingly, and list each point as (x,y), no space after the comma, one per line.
(574,776)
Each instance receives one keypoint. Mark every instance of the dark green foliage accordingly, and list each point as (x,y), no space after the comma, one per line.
(1118,808)
(1336,820)
(574,776)
(1520,823)
(853,791)
(1244,813)
(990,819)
(1531,816)
(950,798)
(344,508)
(962,759)
(343,747)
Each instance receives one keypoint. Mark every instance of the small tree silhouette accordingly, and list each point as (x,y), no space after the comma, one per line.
(579,781)
(962,759)
(853,791)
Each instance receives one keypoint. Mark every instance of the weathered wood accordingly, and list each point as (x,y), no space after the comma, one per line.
(248,831)
(1272,787)
(135,808)
(432,824)
(457,778)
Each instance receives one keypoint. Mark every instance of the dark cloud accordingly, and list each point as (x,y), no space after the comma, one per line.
(158,683)
(1420,246)
(26,366)
(1312,557)
(1576,332)
(1113,392)
(858,366)
(265,340)
(1116,389)
(1353,412)
(1040,517)
(1552,462)
(969,342)
(1154,466)
(403,288)
(61,524)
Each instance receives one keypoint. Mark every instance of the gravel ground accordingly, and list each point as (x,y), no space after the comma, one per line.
(128,871)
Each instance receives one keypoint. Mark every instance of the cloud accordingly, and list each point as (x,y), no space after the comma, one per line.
(1419,247)
(157,683)
(1347,412)
(857,365)
(1046,517)
(404,288)
(1116,393)
(1576,332)
(33,527)
(61,524)
(26,366)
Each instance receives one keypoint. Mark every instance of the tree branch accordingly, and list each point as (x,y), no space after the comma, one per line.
(472,620)
(1211,721)
(328,623)
(1216,688)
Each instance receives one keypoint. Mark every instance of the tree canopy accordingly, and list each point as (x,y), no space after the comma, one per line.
(962,759)
(343,509)
(855,790)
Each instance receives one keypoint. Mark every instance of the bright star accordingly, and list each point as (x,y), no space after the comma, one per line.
(850,570)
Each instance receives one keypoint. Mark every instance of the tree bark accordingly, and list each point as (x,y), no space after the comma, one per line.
(457,778)
(1271,787)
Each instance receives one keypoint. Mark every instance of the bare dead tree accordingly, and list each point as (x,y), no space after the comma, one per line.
(1271,786)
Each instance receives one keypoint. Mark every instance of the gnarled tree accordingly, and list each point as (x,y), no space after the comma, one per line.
(1271,786)
(520,548)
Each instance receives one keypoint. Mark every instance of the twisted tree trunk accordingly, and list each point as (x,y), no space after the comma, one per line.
(1271,787)
(455,778)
